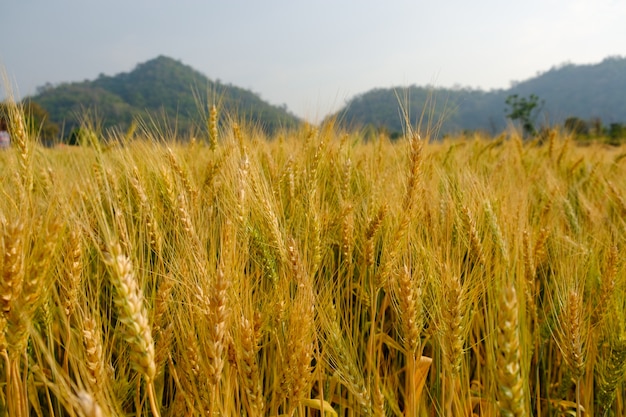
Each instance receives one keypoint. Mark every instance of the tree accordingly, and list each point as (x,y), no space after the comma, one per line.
(38,119)
(617,131)
(524,110)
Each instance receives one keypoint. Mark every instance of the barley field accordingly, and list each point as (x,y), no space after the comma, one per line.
(314,272)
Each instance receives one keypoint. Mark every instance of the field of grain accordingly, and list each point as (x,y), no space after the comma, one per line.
(316,272)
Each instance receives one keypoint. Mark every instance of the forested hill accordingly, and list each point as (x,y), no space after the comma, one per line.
(162,89)
(583,91)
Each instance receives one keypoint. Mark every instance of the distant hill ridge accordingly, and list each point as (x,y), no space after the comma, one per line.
(583,91)
(166,87)
(156,88)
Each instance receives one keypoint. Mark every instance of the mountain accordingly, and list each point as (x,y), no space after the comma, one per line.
(154,89)
(583,91)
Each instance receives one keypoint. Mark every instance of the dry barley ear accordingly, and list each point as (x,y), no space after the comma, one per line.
(451,322)
(88,405)
(407,301)
(42,243)
(511,382)
(21,137)
(570,333)
(212,127)
(247,365)
(218,319)
(70,286)
(300,336)
(10,290)
(28,256)
(132,314)
(12,265)
(93,350)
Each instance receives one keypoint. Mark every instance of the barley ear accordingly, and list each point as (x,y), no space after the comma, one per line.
(218,314)
(510,381)
(132,314)
(92,341)
(452,320)
(131,311)
(213,139)
(12,266)
(73,273)
(88,405)
(248,368)
(22,143)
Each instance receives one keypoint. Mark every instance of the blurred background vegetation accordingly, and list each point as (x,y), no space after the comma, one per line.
(585,100)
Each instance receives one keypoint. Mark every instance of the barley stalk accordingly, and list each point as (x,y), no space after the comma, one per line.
(530,281)
(609,374)
(341,358)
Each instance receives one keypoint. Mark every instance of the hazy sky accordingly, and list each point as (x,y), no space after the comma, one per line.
(314,55)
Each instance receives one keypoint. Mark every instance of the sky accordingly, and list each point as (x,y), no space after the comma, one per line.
(312,56)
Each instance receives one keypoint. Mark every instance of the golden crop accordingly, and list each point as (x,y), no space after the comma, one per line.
(314,272)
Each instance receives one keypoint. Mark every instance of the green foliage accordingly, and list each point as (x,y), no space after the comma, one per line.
(159,89)
(438,110)
(585,131)
(37,120)
(525,111)
(617,131)
(588,91)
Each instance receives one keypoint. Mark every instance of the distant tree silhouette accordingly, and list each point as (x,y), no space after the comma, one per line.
(524,110)
(39,121)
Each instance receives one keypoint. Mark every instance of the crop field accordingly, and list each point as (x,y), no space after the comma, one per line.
(314,272)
